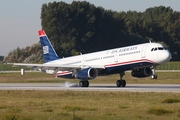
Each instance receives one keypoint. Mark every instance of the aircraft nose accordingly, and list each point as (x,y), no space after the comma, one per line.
(165,57)
(168,56)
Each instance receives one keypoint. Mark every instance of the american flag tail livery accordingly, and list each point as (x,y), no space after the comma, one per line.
(49,53)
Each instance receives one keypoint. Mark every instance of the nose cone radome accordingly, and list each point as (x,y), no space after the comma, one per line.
(164,57)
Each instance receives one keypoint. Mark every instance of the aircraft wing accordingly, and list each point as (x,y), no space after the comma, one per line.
(56,67)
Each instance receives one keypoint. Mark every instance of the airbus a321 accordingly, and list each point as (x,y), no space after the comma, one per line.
(141,59)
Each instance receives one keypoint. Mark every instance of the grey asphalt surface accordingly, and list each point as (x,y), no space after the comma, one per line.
(93,87)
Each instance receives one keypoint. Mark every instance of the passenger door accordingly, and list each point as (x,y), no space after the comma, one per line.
(143,51)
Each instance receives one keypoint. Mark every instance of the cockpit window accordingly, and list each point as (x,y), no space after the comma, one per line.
(160,48)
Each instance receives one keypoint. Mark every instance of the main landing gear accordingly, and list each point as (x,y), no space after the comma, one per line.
(154,76)
(84,83)
(121,82)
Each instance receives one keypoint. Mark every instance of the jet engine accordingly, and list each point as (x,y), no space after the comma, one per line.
(87,73)
(142,72)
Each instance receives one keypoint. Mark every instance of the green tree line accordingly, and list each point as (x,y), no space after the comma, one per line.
(81,27)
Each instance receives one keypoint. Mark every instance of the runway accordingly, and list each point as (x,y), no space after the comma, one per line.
(93,87)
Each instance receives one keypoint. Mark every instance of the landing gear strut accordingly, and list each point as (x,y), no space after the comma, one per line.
(154,76)
(121,82)
(84,83)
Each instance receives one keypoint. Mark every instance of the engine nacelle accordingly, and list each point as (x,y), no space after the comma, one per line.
(143,72)
(87,73)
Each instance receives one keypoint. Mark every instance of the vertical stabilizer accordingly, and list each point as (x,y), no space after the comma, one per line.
(49,53)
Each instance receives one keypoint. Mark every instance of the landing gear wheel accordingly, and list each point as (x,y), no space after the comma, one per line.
(154,76)
(123,83)
(81,84)
(84,84)
(118,83)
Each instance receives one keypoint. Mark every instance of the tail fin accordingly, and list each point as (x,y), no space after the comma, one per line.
(49,53)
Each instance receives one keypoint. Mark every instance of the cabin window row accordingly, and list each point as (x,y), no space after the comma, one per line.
(100,58)
(75,62)
(129,53)
(108,57)
(93,59)
(112,56)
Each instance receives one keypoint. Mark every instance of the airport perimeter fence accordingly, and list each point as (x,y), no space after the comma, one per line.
(167,66)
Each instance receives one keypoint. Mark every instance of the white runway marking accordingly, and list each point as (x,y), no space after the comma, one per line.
(92,87)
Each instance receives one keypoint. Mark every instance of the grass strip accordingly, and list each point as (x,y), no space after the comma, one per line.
(87,105)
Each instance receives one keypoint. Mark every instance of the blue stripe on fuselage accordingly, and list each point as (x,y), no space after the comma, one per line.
(122,68)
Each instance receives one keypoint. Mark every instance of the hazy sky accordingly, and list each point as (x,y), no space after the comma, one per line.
(20,19)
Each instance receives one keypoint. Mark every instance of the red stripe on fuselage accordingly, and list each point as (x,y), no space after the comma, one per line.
(62,73)
(129,62)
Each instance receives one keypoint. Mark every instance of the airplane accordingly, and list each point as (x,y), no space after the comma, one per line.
(141,59)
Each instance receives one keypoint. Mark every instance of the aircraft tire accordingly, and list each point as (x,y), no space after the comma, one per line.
(123,83)
(154,76)
(81,84)
(86,83)
(118,83)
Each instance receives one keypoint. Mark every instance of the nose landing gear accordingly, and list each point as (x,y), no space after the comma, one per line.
(154,76)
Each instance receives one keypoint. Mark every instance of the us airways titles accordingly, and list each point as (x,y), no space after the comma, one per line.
(124,49)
